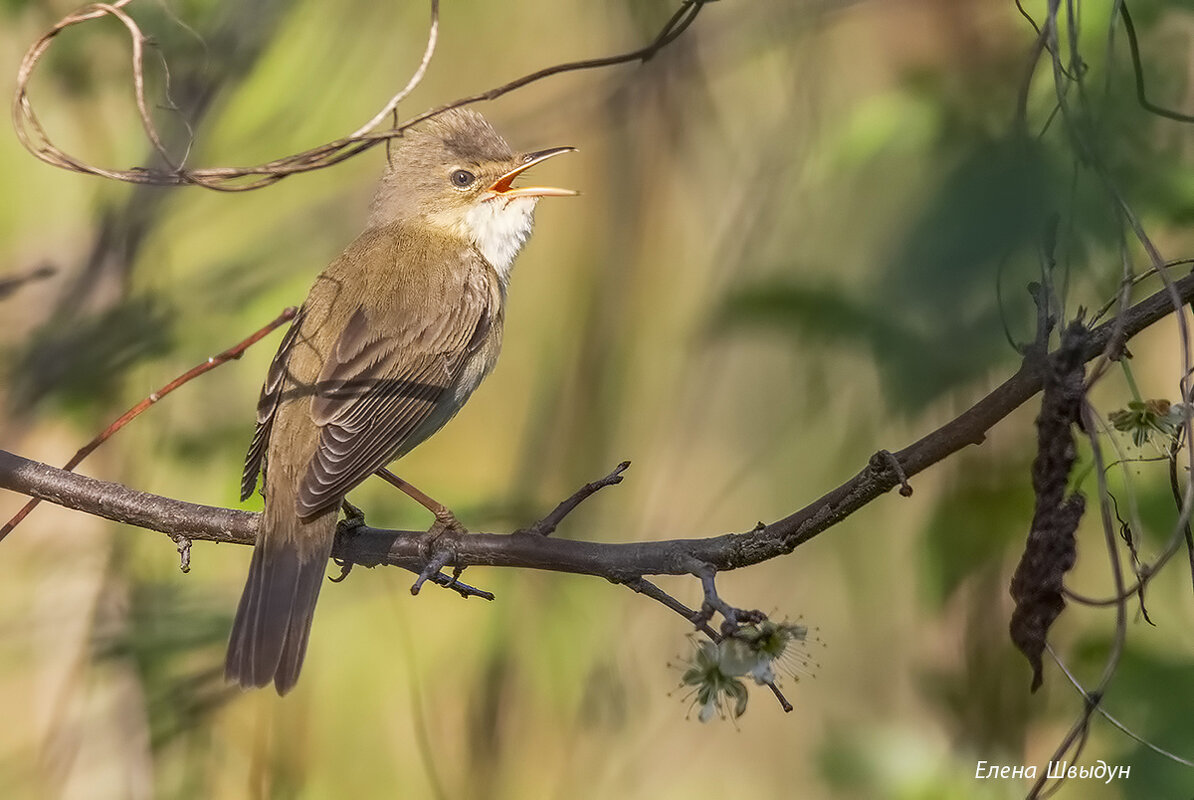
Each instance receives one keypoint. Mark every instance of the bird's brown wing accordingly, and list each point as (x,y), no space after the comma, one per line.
(382,381)
(267,407)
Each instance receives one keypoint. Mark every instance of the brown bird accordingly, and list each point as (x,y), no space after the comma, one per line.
(392,340)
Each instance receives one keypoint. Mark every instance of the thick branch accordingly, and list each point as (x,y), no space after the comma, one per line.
(618,562)
(121,504)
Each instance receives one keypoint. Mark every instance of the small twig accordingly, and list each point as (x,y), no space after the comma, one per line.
(1136,279)
(184,552)
(783,701)
(230,354)
(1038,47)
(1175,488)
(684,16)
(548,525)
(1116,347)
(732,618)
(458,586)
(1045,321)
(646,587)
(884,459)
(1088,418)
(437,562)
(9,285)
(711,603)
(1087,697)
(1129,539)
(391,108)
(1138,72)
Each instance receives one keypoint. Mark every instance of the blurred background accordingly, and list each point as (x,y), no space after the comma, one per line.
(804,234)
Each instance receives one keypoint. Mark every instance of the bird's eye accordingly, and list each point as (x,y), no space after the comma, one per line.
(462,178)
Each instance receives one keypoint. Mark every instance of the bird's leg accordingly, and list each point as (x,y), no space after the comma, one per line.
(354,518)
(445,521)
(444,518)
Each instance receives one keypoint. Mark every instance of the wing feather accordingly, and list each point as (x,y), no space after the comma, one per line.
(267,407)
(380,389)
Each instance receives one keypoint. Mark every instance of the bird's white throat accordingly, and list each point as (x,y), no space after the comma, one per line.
(499,228)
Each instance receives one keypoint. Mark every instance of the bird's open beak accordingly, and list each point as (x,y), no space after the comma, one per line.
(501,187)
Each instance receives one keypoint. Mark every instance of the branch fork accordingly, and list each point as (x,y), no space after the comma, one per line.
(732,618)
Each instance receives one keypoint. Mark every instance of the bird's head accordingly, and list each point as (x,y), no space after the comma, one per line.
(457,174)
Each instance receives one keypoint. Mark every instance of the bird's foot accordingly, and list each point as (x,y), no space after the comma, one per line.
(445,522)
(354,519)
(439,547)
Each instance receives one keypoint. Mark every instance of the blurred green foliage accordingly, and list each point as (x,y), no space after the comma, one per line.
(982,517)
(173,640)
(82,364)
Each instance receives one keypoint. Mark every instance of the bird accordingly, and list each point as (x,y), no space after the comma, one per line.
(391,341)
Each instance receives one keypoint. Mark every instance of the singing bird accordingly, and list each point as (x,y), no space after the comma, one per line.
(393,338)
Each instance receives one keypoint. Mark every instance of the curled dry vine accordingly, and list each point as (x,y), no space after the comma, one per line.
(34,138)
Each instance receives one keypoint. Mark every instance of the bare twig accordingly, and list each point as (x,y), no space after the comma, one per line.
(10,284)
(713,602)
(645,587)
(884,458)
(184,552)
(1038,47)
(1138,72)
(433,567)
(548,525)
(684,16)
(783,701)
(732,618)
(1136,279)
(1090,700)
(391,108)
(1176,489)
(232,353)
(458,586)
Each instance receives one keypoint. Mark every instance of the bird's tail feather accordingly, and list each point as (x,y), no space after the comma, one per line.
(273,620)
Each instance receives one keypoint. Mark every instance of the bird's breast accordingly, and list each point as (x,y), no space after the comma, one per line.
(479,364)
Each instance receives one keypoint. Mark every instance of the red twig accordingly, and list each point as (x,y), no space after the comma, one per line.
(128,416)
